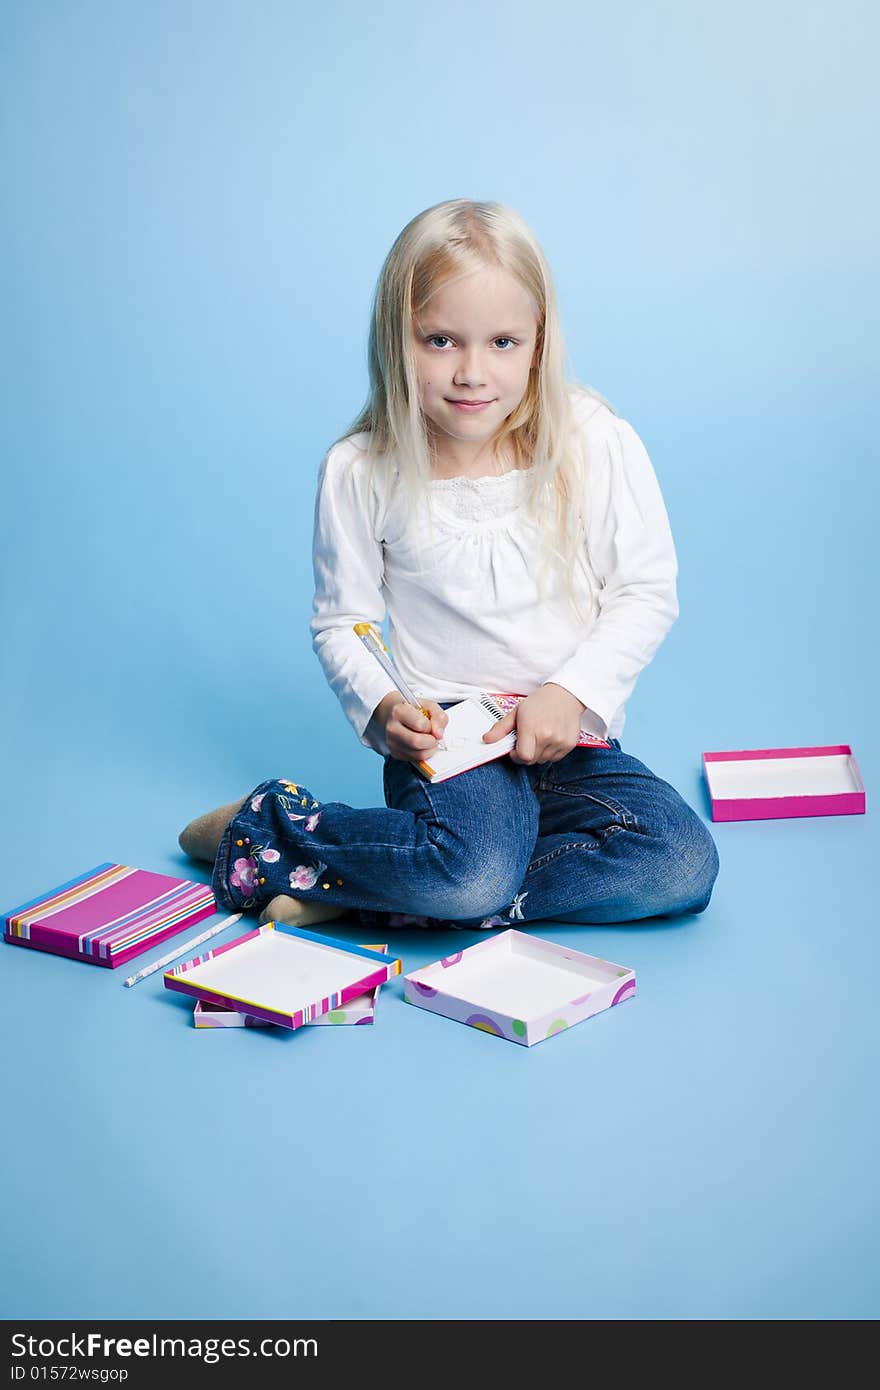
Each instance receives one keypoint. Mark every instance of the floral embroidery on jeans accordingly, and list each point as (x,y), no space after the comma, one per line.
(310,821)
(243,876)
(245,871)
(515,913)
(306,875)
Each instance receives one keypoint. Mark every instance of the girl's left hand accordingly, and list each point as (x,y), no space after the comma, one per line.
(547,723)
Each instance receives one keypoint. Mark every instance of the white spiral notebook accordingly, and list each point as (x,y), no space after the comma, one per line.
(463,738)
(463,745)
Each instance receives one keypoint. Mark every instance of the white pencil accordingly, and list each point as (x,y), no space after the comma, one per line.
(181,950)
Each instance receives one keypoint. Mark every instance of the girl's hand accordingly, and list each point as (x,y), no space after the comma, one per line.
(410,736)
(547,723)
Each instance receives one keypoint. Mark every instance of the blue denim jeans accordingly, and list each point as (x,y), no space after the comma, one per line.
(594,837)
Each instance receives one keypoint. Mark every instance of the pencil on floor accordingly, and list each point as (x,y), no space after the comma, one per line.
(181,950)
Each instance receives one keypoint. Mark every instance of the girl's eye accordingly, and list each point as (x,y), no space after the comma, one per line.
(441,337)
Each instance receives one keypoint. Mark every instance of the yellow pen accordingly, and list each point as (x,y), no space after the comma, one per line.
(373,643)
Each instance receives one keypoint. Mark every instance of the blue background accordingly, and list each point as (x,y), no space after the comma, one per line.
(197,201)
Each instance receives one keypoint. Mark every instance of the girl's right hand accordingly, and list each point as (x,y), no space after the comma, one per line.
(409,735)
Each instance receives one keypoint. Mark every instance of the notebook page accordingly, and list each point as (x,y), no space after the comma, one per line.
(463,737)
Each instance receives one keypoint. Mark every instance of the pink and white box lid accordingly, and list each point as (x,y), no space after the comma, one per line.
(774,783)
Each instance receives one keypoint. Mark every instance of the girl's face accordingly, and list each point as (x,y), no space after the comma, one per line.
(475,341)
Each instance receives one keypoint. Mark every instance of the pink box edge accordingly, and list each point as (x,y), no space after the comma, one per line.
(788,807)
(122,958)
(749,754)
(851,803)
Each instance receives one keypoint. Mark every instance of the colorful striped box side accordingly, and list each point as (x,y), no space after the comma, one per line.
(109,914)
(176,978)
(357,1011)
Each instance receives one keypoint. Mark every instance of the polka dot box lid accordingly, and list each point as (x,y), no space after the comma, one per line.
(519,987)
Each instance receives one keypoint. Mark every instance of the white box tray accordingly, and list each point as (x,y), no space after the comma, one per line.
(774,783)
(359,1010)
(519,987)
(282,974)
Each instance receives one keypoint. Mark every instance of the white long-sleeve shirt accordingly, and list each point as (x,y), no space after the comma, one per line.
(465,612)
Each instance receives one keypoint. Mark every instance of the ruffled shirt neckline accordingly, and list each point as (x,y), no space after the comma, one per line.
(481,503)
(485,482)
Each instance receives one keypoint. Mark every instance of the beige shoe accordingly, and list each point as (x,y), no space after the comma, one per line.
(201,838)
(293,912)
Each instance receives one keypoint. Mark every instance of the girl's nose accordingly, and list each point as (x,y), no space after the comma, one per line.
(470,373)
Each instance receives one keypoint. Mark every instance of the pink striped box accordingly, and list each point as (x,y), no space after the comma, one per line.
(282,974)
(109,914)
(359,1010)
(775,783)
(519,987)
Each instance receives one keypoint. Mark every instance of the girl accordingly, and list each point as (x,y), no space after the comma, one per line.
(511,526)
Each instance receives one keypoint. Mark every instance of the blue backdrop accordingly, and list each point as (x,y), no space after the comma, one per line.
(197,201)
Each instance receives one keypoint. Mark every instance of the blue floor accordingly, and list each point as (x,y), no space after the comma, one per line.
(705,1150)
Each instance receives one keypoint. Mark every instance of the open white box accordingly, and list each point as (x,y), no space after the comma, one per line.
(519,987)
(359,1010)
(771,783)
(282,974)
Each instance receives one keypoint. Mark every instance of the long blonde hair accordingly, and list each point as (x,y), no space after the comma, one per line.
(442,244)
